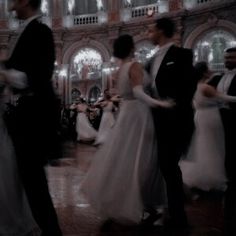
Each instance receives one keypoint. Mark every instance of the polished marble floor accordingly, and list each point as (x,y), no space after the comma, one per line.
(78,219)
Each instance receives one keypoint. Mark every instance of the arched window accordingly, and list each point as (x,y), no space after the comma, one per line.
(144,51)
(74,7)
(86,64)
(94,94)
(46,8)
(210,48)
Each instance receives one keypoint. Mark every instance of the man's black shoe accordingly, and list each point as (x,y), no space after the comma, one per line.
(150,220)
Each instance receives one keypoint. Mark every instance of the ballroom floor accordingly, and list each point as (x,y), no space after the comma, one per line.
(78,219)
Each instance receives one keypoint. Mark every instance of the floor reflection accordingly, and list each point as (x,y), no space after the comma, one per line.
(78,219)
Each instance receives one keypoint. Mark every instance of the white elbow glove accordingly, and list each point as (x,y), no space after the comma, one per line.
(15,78)
(141,95)
(225,97)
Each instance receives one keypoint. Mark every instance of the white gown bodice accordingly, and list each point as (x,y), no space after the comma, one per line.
(200,101)
(124,86)
(15,217)
(204,167)
(124,174)
(108,107)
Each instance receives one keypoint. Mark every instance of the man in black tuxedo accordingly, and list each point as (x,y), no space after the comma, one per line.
(172,72)
(37,111)
(226,84)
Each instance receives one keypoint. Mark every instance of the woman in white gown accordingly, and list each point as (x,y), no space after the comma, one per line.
(107,121)
(15,214)
(118,180)
(84,129)
(204,165)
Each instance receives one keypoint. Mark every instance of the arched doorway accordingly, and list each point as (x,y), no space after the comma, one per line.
(210,47)
(86,64)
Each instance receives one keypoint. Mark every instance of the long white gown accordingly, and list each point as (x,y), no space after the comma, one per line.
(119,180)
(84,129)
(204,165)
(15,214)
(106,123)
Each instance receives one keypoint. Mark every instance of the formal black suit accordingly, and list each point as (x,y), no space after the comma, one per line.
(174,127)
(36,120)
(228,116)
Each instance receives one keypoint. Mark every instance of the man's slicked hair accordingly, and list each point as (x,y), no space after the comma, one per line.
(167,25)
(233,49)
(35,4)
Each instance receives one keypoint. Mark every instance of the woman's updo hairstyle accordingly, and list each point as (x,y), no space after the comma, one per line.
(123,46)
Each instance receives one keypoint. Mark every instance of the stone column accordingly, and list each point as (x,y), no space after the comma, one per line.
(113,7)
(57,13)
(175,5)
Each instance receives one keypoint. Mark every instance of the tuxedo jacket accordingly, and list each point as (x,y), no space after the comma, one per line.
(34,55)
(37,112)
(228,115)
(175,79)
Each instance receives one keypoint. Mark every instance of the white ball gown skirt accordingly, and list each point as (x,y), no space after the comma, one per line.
(204,167)
(118,181)
(85,131)
(105,127)
(15,214)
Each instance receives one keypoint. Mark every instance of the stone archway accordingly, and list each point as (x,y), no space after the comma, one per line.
(85,42)
(209,41)
(210,25)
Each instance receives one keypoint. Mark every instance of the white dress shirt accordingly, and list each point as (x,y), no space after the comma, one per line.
(158,58)
(18,78)
(223,85)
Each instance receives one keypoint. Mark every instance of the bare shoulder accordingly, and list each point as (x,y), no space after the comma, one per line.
(135,67)
(136,73)
(207,90)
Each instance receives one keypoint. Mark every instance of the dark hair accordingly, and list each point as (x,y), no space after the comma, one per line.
(35,4)
(107,94)
(233,49)
(123,46)
(200,69)
(167,25)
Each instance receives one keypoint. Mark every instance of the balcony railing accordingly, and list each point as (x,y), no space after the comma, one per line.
(89,19)
(128,13)
(143,10)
